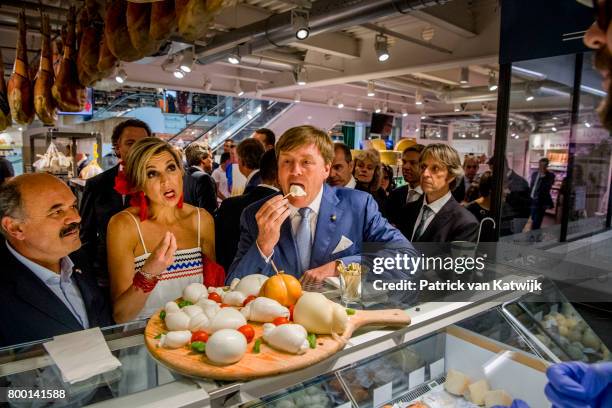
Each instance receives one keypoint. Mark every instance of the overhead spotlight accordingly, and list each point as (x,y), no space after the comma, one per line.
(385,108)
(359,106)
(186,64)
(376,108)
(301,75)
(297,98)
(418,98)
(178,74)
(492,81)
(587,123)
(299,22)
(340,105)
(423,116)
(476,135)
(237,89)
(20,129)
(465,76)
(554,129)
(404,112)
(457,108)
(235,57)
(207,85)
(121,75)
(371,89)
(463,135)
(529,94)
(381,46)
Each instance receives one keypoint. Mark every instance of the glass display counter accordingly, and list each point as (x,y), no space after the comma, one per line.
(485,338)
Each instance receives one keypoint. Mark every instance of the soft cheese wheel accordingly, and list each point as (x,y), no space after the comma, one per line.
(456,382)
(497,397)
(476,392)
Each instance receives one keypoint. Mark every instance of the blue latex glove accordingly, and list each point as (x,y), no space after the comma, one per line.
(579,385)
(517,403)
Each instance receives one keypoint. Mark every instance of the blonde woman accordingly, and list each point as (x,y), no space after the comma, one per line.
(159,245)
(368,174)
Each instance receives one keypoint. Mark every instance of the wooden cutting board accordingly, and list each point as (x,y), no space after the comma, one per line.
(269,361)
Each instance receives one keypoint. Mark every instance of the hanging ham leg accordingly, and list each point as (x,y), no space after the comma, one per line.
(5,110)
(44,104)
(20,89)
(163,20)
(138,18)
(106,59)
(89,47)
(196,16)
(116,32)
(67,91)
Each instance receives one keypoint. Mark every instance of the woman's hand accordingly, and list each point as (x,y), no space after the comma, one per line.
(162,256)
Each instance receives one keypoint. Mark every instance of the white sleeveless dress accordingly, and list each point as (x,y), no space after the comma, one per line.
(186,269)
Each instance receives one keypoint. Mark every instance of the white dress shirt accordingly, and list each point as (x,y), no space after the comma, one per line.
(62,284)
(352,183)
(418,192)
(221,179)
(435,207)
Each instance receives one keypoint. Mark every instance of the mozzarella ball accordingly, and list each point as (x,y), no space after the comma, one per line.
(227,318)
(193,292)
(226,346)
(175,339)
(199,322)
(193,310)
(177,321)
(172,307)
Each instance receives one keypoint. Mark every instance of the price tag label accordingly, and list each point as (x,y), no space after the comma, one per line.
(416,377)
(382,395)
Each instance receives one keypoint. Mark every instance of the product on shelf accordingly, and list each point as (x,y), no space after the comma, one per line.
(476,392)
(456,382)
(497,397)
(320,315)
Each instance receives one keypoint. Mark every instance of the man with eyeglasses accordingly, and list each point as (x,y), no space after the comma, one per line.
(577,384)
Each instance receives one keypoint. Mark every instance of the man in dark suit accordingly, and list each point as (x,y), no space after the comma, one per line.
(410,192)
(227,218)
(540,186)
(437,217)
(307,234)
(470,175)
(45,291)
(100,200)
(199,188)
(249,154)
(266,137)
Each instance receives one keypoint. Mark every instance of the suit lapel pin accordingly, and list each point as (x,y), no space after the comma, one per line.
(333,218)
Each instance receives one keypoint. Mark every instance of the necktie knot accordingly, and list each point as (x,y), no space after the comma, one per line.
(305,212)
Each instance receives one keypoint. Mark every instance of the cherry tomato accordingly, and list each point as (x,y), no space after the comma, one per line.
(248,332)
(199,335)
(215,297)
(248,299)
(291,312)
(280,320)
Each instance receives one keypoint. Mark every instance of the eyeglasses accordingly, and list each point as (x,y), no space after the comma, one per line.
(603,13)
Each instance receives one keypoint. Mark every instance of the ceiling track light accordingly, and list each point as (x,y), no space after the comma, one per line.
(178,74)
(418,98)
(457,108)
(376,108)
(371,89)
(529,96)
(492,81)
(236,56)
(237,89)
(297,98)
(301,75)
(404,112)
(381,46)
(464,79)
(187,61)
(299,22)
(340,105)
(121,75)
(360,106)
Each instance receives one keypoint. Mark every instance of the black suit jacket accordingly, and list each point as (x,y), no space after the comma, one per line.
(518,198)
(199,189)
(396,204)
(542,193)
(452,223)
(227,223)
(253,182)
(30,310)
(99,203)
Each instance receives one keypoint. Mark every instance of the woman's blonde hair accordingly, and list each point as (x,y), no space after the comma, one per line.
(140,154)
(371,155)
(446,155)
(305,135)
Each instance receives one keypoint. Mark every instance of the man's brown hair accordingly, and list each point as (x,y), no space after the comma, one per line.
(306,135)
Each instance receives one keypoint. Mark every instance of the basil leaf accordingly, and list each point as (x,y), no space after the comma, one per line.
(198,346)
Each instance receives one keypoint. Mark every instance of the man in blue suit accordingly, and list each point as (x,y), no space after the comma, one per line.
(306,235)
